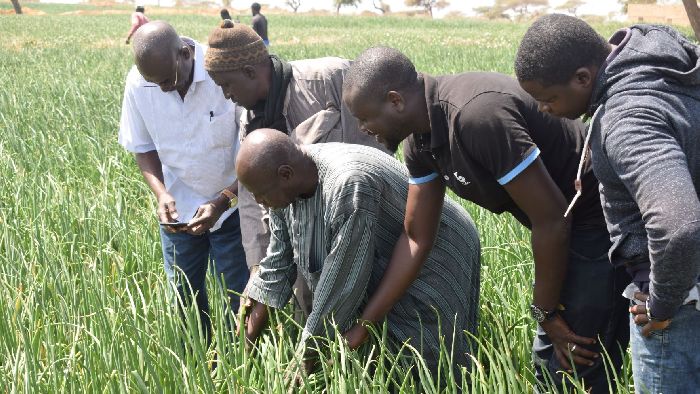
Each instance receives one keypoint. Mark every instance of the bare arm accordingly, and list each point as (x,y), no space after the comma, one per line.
(423,209)
(208,213)
(152,171)
(538,196)
(132,30)
(256,320)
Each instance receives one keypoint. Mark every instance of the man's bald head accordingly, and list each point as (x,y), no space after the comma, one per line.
(263,152)
(153,40)
(272,167)
(162,57)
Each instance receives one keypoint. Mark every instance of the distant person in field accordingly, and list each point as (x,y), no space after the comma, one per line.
(184,135)
(482,136)
(138,19)
(225,14)
(641,90)
(336,211)
(301,98)
(259,23)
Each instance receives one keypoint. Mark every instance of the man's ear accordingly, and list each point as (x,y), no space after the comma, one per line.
(396,100)
(286,172)
(185,52)
(249,71)
(584,77)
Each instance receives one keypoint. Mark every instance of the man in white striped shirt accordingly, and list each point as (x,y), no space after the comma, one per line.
(336,213)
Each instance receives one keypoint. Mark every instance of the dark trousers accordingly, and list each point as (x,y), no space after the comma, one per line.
(594,308)
(191,254)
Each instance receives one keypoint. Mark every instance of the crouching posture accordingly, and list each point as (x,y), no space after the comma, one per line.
(336,212)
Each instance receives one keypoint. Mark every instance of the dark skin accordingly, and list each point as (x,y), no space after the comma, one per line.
(206,215)
(534,191)
(169,69)
(274,187)
(571,100)
(166,69)
(247,86)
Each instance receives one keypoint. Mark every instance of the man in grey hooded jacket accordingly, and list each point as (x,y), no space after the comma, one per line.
(641,90)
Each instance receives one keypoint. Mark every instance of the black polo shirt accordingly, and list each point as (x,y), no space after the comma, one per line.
(485,130)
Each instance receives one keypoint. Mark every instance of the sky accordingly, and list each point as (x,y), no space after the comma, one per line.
(597,7)
(590,7)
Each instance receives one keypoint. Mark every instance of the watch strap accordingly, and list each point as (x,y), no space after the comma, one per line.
(231,196)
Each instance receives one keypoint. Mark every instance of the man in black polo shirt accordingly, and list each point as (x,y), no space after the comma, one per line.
(483,137)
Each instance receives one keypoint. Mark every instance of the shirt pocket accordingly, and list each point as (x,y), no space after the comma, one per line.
(211,163)
(221,130)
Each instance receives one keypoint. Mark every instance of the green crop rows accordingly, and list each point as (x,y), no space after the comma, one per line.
(84,306)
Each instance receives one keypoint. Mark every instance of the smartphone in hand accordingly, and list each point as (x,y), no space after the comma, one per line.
(173,224)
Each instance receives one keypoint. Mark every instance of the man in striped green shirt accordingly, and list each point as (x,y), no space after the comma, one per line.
(336,212)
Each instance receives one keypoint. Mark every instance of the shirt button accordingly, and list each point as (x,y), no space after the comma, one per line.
(447,177)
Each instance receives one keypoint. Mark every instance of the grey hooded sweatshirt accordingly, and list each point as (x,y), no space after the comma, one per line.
(645,146)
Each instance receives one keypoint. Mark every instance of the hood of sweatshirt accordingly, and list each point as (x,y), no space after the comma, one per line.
(650,59)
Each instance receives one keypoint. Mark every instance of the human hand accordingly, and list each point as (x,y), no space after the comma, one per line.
(295,372)
(206,216)
(256,319)
(310,364)
(641,318)
(356,336)
(568,345)
(246,303)
(167,212)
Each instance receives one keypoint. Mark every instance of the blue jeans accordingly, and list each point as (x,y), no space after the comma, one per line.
(191,253)
(668,361)
(594,308)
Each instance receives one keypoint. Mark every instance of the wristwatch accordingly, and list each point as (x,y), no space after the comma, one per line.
(232,197)
(540,315)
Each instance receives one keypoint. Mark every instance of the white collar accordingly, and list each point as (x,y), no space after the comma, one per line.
(199,71)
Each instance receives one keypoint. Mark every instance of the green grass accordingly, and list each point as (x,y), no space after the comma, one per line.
(84,303)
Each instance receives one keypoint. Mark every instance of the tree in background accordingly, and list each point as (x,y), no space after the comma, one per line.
(429,5)
(17,7)
(693,11)
(381,6)
(570,6)
(294,4)
(521,8)
(340,3)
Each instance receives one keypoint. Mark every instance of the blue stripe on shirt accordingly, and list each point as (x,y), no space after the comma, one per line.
(423,179)
(520,167)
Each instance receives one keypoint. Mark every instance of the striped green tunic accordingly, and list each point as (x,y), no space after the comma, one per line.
(342,238)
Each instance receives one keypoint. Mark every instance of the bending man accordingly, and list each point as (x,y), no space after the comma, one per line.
(483,137)
(302,98)
(336,213)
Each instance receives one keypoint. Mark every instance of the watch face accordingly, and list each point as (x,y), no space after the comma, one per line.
(537,313)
